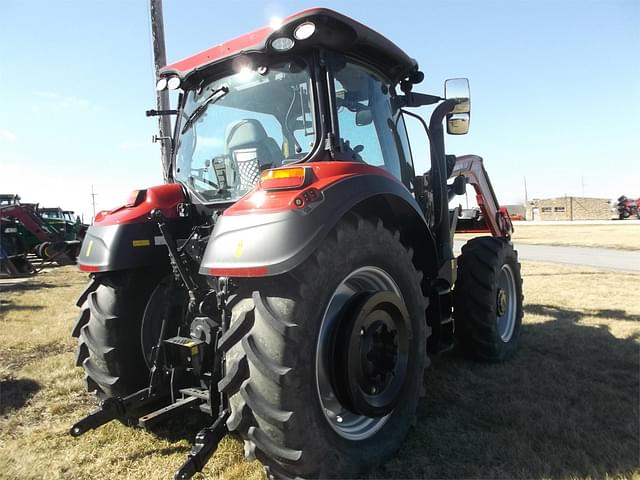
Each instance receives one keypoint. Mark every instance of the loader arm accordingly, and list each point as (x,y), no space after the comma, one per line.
(496,218)
(31,222)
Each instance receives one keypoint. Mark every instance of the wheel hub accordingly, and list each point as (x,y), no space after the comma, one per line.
(370,351)
(506,307)
(379,347)
(501,302)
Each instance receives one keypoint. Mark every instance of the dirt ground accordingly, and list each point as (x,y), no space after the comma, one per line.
(618,235)
(565,407)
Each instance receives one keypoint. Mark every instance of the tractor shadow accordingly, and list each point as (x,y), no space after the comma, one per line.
(565,406)
(182,426)
(6,305)
(26,285)
(15,393)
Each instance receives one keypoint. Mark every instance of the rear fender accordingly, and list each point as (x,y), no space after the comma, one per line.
(125,237)
(249,241)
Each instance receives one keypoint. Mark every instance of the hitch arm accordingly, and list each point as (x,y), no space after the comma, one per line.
(207,441)
(177,261)
(113,408)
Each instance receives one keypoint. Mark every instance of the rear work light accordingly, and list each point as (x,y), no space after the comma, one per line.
(284,178)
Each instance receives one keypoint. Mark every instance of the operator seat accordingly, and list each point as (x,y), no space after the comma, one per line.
(251,150)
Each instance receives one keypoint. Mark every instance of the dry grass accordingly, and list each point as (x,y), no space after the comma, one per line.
(618,235)
(565,407)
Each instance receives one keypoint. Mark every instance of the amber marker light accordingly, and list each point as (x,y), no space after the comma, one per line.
(136,198)
(283,178)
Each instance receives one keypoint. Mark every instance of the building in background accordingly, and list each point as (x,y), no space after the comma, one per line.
(569,208)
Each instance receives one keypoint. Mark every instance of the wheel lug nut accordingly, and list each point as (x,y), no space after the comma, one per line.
(373,390)
(339,419)
(362,332)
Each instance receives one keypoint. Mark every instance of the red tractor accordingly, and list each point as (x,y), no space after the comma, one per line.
(627,207)
(294,274)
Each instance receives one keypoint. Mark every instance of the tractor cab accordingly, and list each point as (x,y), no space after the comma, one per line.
(320,87)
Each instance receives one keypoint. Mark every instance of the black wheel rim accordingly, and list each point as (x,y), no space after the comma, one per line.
(362,353)
(166,300)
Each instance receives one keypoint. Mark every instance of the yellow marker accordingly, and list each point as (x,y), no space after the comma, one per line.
(239,248)
(141,243)
(89,247)
(194,350)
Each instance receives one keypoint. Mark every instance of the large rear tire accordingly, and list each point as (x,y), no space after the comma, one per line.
(488,299)
(108,331)
(293,340)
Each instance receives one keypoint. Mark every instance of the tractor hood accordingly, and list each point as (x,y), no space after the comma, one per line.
(330,30)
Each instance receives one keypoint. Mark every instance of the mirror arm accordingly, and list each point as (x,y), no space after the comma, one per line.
(439,178)
(413,100)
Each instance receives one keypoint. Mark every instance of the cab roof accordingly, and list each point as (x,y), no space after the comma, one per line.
(333,31)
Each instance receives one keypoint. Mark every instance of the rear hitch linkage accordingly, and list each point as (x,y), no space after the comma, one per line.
(206,444)
(130,407)
(149,405)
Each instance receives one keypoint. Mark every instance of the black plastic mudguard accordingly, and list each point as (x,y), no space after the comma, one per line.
(266,244)
(123,246)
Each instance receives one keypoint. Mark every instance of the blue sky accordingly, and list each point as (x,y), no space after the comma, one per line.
(555,88)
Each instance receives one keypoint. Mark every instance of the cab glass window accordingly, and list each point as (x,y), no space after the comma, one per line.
(370,129)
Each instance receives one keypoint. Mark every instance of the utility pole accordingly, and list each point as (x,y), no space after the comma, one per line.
(93,203)
(162,97)
(526,195)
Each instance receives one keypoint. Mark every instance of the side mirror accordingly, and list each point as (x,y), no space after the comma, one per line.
(458,123)
(458,89)
(364,117)
(458,120)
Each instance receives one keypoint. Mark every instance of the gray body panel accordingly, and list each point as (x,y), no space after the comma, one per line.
(120,247)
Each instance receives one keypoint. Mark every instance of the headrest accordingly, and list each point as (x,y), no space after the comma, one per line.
(245,133)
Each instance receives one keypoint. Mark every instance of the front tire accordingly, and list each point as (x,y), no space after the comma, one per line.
(488,299)
(277,344)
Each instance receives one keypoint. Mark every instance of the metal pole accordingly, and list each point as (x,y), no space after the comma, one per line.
(93,203)
(162,98)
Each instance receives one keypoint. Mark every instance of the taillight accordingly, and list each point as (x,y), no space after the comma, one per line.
(283,178)
(136,198)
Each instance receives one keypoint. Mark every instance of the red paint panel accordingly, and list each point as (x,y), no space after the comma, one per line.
(325,174)
(239,272)
(247,42)
(165,197)
(253,41)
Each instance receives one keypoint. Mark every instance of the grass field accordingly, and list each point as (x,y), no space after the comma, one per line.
(618,235)
(565,407)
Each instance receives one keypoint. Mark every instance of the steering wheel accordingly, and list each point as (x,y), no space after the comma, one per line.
(200,177)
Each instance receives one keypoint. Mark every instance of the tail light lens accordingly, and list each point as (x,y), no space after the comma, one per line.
(283,178)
